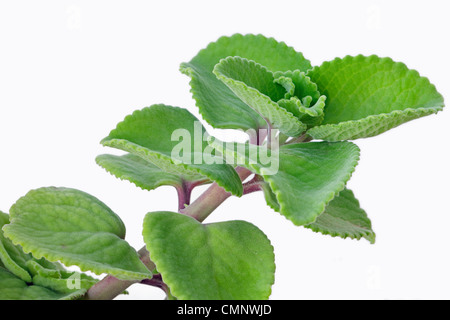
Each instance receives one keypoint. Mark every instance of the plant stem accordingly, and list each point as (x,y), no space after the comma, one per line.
(253,185)
(252,188)
(213,197)
(110,287)
(158,282)
(145,258)
(184,195)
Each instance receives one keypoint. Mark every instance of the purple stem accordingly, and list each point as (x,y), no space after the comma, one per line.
(110,287)
(253,187)
(184,194)
(213,197)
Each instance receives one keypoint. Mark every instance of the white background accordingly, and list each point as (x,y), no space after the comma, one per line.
(70,70)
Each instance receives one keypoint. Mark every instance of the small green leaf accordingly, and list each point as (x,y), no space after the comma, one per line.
(225,260)
(154,134)
(142,173)
(343,217)
(255,85)
(305,101)
(75,228)
(309,115)
(13,288)
(301,85)
(367,96)
(60,280)
(304,177)
(218,105)
(50,269)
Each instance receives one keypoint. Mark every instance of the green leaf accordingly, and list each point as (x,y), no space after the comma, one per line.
(154,134)
(39,272)
(300,85)
(269,196)
(370,95)
(142,173)
(49,269)
(60,280)
(255,85)
(305,101)
(13,257)
(14,288)
(304,177)
(225,260)
(343,217)
(75,228)
(217,103)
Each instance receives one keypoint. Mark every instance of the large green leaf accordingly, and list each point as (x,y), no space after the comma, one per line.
(225,260)
(142,173)
(154,134)
(369,95)
(306,178)
(73,227)
(255,85)
(343,217)
(218,105)
(14,288)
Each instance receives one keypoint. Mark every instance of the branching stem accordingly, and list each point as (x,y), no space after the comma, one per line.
(253,187)
(184,195)
(213,197)
(158,282)
(110,287)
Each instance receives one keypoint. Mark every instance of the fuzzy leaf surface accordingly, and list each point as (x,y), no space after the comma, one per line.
(343,217)
(14,288)
(73,227)
(59,280)
(172,139)
(255,86)
(225,260)
(218,105)
(367,96)
(305,101)
(306,178)
(133,168)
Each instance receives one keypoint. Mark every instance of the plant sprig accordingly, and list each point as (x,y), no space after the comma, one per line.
(243,82)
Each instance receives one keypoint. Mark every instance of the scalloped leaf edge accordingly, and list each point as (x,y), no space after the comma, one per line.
(341,131)
(142,186)
(296,127)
